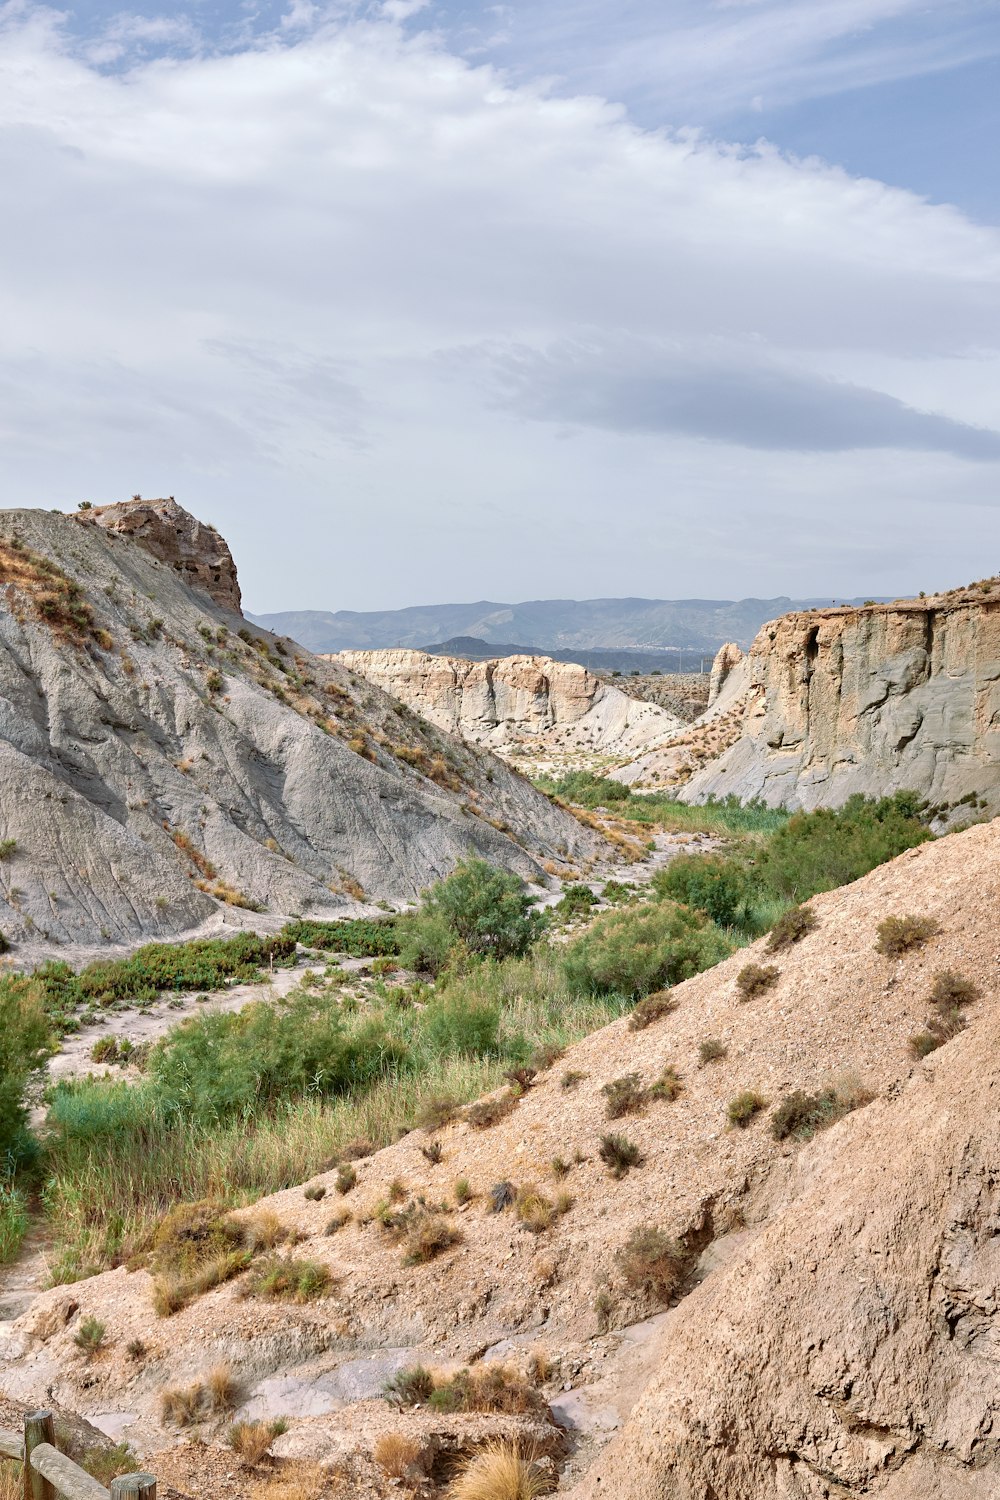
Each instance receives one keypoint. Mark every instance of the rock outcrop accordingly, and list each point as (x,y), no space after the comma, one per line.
(517,705)
(173,536)
(162,763)
(871,700)
(726,658)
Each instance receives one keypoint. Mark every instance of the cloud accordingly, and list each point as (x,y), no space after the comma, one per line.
(719,395)
(434,327)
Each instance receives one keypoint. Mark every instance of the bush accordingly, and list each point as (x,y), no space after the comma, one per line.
(667,1087)
(791,928)
(492,1387)
(800,1114)
(754,979)
(361,938)
(485,910)
(951,991)
(651,1261)
(90,1335)
(13,1222)
(634,952)
(708,882)
(711,1050)
(619,1154)
(821,850)
(897,935)
(577,901)
(653,1008)
(624,1096)
(744,1107)
(409,1387)
(25,1043)
(489,1112)
(285,1279)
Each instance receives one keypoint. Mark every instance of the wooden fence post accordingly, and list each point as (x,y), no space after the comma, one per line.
(134,1487)
(39,1427)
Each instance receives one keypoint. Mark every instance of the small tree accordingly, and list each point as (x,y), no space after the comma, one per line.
(478,908)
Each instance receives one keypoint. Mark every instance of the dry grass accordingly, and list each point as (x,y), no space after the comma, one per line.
(499,1472)
(754,979)
(296,1481)
(791,928)
(653,1008)
(651,1261)
(399,1456)
(285,1279)
(11,1482)
(252,1440)
(222,1388)
(897,935)
(489,1112)
(213,1396)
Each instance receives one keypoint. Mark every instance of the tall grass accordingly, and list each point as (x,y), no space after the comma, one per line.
(13,1221)
(118,1157)
(727,817)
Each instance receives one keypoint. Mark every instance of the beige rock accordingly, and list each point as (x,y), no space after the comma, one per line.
(726,658)
(170,534)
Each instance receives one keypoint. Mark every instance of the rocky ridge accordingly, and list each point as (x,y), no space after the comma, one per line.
(164,765)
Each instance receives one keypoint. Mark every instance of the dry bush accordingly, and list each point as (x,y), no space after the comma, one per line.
(501,1196)
(11,1481)
(489,1112)
(285,1279)
(181,1406)
(619,1154)
(754,979)
(571,1079)
(533,1209)
(624,1096)
(195,1247)
(897,935)
(651,1261)
(222,1388)
(340,1218)
(667,1087)
(436,1112)
(347,1178)
(426,1235)
(653,1008)
(711,1050)
(499,1472)
(399,1456)
(951,991)
(296,1481)
(486,1388)
(791,928)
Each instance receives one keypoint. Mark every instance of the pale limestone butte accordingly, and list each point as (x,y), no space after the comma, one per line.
(871,700)
(515,701)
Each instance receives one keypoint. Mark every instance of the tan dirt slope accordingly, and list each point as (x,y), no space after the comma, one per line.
(843,1338)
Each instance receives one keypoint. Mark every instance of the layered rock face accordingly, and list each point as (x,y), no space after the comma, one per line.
(167,532)
(871,700)
(162,764)
(517,703)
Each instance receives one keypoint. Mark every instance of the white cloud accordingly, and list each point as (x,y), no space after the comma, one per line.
(252,280)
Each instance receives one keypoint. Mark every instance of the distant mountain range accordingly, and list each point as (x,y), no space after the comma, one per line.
(556,626)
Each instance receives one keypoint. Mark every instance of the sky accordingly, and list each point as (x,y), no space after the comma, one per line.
(423,302)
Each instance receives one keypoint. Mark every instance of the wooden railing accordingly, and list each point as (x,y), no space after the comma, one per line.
(49,1474)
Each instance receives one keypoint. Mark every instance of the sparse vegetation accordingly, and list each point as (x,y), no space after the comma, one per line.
(624,1096)
(282,1278)
(755,979)
(791,927)
(652,1261)
(898,935)
(499,1472)
(398,1455)
(90,1335)
(653,1008)
(711,1050)
(251,1441)
(619,1154)
(801,1115)
(745,1107)
(950,991)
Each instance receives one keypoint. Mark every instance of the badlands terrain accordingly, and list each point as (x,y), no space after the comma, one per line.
(650,1152)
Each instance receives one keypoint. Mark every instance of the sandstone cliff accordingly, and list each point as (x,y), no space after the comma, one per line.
(517,705)
(161,763)
(871,700)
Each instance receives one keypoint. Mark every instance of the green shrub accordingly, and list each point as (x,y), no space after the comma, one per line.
(285,1279)
(361,938)
(25,1043)
(897,935)
(577,901)
(634,952)
(90,1335)
(409,1387)
(821,850)
(667,1087)
(951,991)
(13,1222)
(800,1115)
(708,882)
(484,909)
(452,1025)
(744,1107)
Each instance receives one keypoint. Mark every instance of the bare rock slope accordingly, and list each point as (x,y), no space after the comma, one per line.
(161,762)
(518,705)
(838,1336)
(870,700)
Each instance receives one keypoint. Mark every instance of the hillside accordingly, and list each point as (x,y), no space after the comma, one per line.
(552,624)
(164,765)
(529,707)
(833,1332)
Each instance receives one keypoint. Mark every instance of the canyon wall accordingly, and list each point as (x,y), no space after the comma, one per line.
(870,700)
(517,704)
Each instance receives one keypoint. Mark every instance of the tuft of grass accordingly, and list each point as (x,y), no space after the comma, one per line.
(252,1440)
(489,1112)
(399,1456)
(501,1196)
(347,1178)
(755,979)
(340,1218)
(801,1115)
(463,1191)
(792,927)
(711,1050)
(90,1335)
(411,1387)
(624,1096)
(898,935)
(652,1261)
(315,1193)
(667,1087)
(491,1387)
(221,1388)
(744,1107)
(619,1154)
(286,1279)
(426,1235)
(571,1079)
(498,1472)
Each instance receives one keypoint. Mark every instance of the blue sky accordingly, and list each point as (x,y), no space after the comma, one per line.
(442,301)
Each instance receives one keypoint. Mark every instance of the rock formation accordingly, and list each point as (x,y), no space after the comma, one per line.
(165,531)
(726,658)
(517,704)
(871,700)
(161,763)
